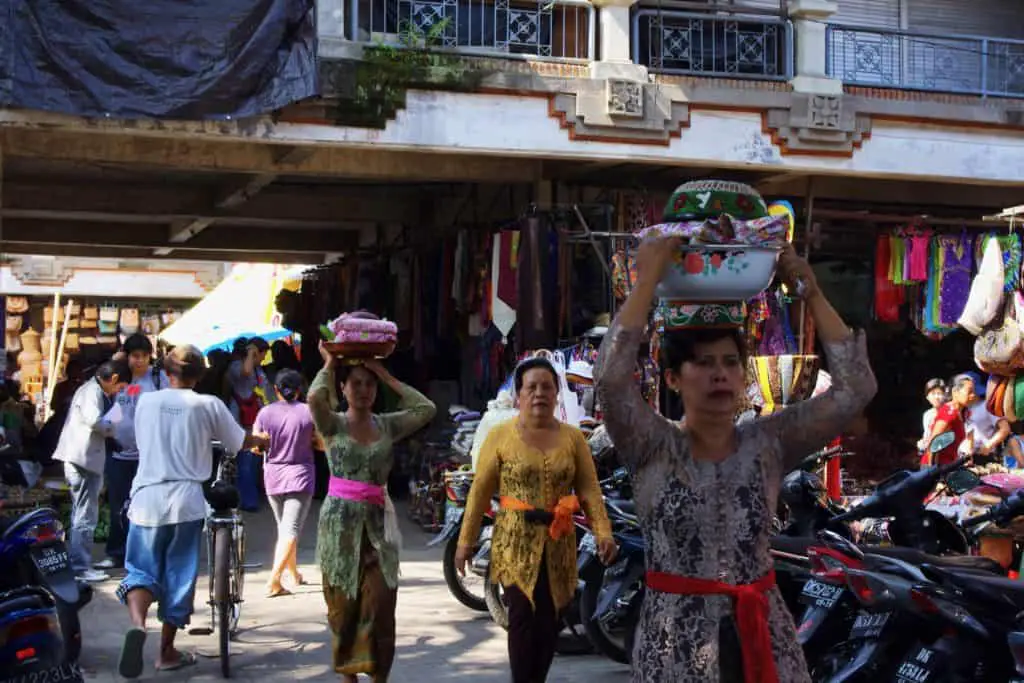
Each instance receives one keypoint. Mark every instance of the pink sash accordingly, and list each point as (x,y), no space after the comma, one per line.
(358,491)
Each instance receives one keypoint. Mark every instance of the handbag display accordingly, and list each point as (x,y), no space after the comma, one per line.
(1009,399)
(14,323)
(91,313)
(995,397)
(129,320)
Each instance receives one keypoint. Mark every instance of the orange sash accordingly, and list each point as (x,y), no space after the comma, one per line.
(563,511)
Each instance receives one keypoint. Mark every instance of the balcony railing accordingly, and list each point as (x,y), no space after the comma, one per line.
(917,61)
(545,29)
(718,45)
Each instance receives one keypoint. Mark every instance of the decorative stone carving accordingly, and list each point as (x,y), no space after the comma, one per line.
(625,98)
(642,113)
(826,111)
(41,271)
(818,124)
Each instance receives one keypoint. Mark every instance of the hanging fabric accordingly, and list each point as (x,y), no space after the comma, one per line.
(986,297)
(504,295)
(956,256)
(888,296)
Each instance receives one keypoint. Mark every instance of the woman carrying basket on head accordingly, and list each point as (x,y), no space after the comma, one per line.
(357,544)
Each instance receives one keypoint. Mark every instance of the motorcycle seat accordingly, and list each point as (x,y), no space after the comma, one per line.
(916,557)
(997,589)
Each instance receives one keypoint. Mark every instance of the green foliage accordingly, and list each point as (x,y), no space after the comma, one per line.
(388,70)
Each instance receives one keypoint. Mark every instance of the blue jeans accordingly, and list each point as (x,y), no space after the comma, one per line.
(85,513)
(164,560)
(119,474)
(249,480)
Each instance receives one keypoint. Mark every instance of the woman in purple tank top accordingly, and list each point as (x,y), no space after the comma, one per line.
(289,472)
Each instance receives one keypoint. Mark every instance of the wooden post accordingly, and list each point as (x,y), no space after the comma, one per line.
(808,226)
(51,376)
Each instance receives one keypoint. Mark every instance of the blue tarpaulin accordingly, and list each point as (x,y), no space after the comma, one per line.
(163,59)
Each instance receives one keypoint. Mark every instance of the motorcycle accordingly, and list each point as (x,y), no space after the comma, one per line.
(33,555)
(31,642)
(457,486)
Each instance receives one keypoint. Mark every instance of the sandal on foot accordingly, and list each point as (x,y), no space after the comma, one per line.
(184,659)
(278,592)
(130,665)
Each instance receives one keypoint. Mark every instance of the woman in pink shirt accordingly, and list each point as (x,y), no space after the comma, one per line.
(288,472)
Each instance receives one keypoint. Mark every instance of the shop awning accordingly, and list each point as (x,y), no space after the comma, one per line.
(241,306)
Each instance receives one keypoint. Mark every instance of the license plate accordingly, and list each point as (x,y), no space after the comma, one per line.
(868,625)
(921,666)
(820,594)
(51,560)
(65,673)
(588,544)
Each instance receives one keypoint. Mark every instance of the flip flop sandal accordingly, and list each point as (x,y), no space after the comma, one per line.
(278,593)
(131,663)
(185,659)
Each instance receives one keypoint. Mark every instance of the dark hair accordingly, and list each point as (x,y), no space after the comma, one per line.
(534,363)
(239,346)
(119,367)
(961,380)
(680,346)
(933,384)
(283,355)
(290,385)
(259,342)
(186,363)
(137,342)
(343,372)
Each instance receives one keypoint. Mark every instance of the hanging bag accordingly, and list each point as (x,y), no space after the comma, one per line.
(1009,400)
(998,350)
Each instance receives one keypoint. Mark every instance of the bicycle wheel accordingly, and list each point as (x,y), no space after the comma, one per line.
(238,577)
(222,594)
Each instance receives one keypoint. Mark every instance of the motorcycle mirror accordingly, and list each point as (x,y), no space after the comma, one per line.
(962,481)
(621,473)
(941,442)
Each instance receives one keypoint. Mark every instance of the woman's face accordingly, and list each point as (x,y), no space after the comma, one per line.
(936,397)
(539,393)
(713,381)
(360,389)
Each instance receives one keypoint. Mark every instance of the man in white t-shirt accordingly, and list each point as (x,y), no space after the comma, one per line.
(174,431)
(992,435)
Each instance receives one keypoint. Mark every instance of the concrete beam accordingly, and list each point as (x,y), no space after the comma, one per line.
(254,157)
(276,204)
(144,253)
(119,236)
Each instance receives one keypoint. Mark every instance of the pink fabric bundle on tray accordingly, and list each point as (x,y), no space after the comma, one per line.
(362,335)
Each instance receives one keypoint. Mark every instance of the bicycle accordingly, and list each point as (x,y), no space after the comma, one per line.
(225,532)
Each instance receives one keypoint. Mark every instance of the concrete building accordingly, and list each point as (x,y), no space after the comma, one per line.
(912,104)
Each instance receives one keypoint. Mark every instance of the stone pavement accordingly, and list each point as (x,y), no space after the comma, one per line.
(286,638)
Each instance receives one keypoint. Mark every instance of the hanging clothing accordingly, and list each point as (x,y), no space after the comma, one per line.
(918,256)
(888,296)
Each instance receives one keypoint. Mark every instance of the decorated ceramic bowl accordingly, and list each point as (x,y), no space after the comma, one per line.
(679,315)
(719,273)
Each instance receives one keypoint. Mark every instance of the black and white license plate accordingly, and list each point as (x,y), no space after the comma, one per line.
(65,673)
(51,559)
(820,594)
(921,666)
(869,625)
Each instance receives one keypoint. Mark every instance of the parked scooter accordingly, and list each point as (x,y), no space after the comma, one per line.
(31,643)
(457,489)
(33,555)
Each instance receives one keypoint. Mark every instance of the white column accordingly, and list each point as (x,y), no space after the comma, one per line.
(330,18)
(809,17)
(615,54)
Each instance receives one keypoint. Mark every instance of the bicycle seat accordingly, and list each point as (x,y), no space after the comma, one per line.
(222,496)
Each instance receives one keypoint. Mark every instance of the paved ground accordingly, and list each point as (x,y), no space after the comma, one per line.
(286,639)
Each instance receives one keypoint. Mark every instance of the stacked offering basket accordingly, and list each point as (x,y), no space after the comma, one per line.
(730,249)
(360,336)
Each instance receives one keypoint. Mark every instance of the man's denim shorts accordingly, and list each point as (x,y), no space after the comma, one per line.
(165,561)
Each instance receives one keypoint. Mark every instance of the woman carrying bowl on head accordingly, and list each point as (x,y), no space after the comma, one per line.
(357,540)
(536,462)
(705,493)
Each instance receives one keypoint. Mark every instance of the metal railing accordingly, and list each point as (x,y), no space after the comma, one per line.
(884,58)
(717,45)
(545,29)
